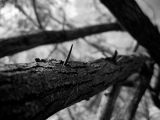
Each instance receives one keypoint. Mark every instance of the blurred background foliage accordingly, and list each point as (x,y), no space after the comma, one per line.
(19,17)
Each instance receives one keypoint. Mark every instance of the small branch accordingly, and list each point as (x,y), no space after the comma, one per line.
(70,114)
(58,21)
(52,51)
(155,91)
(37,14)
(109,107)
(23,11)
(100,48)
(145,78)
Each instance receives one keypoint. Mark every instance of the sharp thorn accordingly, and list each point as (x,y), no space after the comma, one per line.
(114,57)
(68,56)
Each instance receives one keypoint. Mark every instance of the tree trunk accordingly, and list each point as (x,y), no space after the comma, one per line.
(39,89)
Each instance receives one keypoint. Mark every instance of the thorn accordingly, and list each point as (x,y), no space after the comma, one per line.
(37,59)
(68,56)
(40,60)
(114,57)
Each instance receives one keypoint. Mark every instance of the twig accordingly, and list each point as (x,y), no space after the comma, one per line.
(146,108)
(23,11)
(70,114)
(155,91)
(56,46)
(58,21)
(102,49)
(37,14)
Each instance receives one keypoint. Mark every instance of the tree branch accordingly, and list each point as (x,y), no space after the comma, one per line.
(13,45)
(106,114)
(144,81)
(20,8)
(39,89)
(131,17)
(34,2)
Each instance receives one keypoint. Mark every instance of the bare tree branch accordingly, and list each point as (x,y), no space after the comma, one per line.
(155,91)
(23,11)
(131,17)
(103,50)
(109,107)
(70,114)
(9,46)
(39,89)
(145,78)
(37,14)
(144,83)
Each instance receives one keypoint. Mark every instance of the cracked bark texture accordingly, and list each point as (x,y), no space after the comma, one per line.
(37,90)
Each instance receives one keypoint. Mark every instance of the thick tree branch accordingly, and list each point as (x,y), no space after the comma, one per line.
(13,45)
(137,24)
(39,89)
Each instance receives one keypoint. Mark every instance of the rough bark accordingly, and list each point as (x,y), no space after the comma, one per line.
(13,45)
(39,89)
(131,17)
